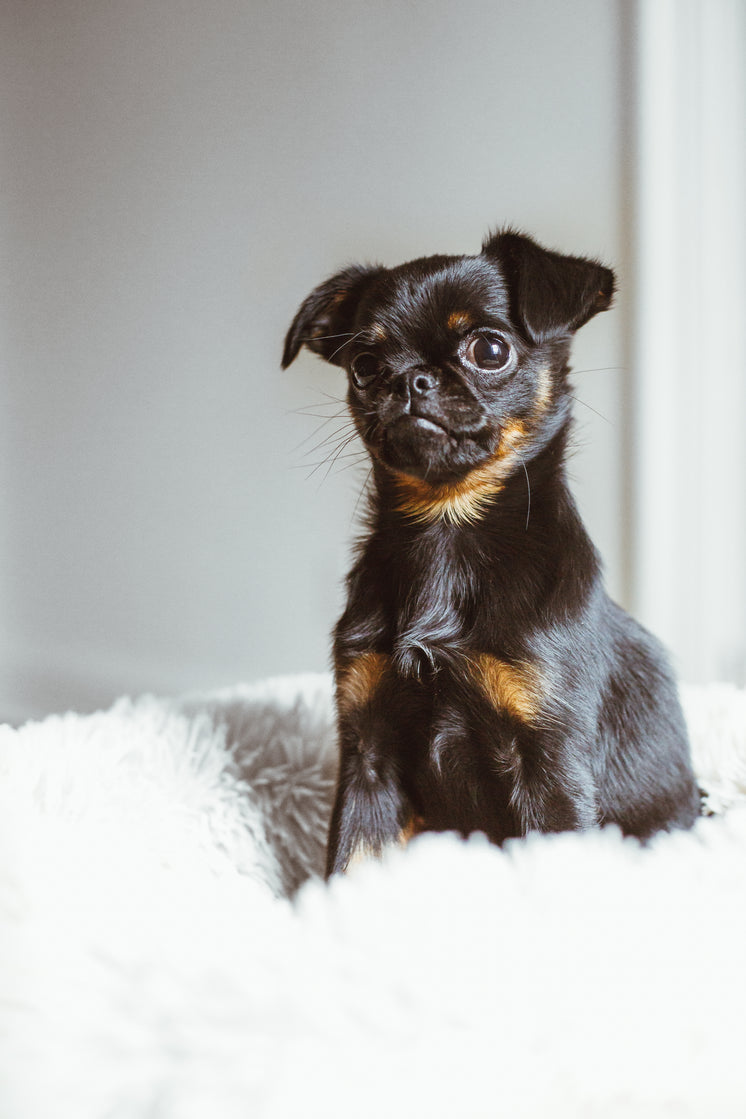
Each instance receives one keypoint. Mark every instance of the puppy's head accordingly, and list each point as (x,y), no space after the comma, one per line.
(456,364)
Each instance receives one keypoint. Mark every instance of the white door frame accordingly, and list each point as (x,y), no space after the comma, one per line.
(687,446)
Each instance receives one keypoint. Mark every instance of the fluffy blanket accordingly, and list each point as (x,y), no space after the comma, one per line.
(167,949)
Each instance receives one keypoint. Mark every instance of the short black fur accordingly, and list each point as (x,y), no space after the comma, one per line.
(485,681)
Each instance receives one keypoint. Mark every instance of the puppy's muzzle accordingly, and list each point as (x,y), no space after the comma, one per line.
(414,384)
(428,424)
(414,403)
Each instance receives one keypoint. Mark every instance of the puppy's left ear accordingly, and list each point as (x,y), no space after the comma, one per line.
(550,294)
(324,321)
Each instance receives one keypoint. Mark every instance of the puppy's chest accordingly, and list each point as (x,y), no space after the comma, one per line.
(426,606)
(441,599)
(438,634)
(434,639)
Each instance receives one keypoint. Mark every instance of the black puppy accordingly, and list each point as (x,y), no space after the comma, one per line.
(485,682)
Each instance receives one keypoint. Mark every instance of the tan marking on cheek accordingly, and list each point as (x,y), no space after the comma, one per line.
(517,689)
(357,680)
(459,320)
(543,392)
(512,438)
(378,332)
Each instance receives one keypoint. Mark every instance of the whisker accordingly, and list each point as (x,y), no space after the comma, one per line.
(306,410)
(601,369)
(338,433)
(347,343)
(322,462)
(319,428)
(346,465)
(528,485)
(328,395)
(363,490)
(326,403)
(336,456)
(528,480)
(337,402)
(333,439)
(333,455)
(590,408)
(320,411)
(326,337)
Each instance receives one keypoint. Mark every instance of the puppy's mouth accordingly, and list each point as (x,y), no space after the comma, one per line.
(424,424)
(427,447)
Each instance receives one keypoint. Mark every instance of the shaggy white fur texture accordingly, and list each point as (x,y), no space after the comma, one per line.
(158,959)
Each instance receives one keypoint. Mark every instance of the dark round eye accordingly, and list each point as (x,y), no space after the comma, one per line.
(364,368)
(488,351)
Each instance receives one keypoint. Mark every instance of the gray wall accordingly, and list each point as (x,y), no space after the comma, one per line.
(176,176)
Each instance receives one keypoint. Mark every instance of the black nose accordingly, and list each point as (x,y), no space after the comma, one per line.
(414,382)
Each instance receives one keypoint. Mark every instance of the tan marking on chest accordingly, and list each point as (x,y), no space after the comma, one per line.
(358,679)
(464,502)
(415,827)
(517,689)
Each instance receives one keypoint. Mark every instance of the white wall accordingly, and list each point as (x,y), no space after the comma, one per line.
(177,175)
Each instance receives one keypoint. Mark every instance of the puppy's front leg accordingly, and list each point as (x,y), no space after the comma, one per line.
(371,809)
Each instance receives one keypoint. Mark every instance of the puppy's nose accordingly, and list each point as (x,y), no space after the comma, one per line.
(414,382)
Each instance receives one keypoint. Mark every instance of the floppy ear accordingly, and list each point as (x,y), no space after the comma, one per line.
(324,320)
(550,294)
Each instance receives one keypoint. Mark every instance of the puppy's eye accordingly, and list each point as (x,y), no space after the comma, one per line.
(364,368)
(488,351)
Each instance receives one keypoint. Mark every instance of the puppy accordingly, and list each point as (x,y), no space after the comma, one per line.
(484,680)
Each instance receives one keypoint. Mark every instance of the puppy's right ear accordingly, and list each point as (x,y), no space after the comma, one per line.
(550,294)
(325,319)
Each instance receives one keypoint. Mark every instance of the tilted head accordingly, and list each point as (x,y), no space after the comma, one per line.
(457,365)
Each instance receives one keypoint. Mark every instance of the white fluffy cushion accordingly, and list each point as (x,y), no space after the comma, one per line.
(157,957)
